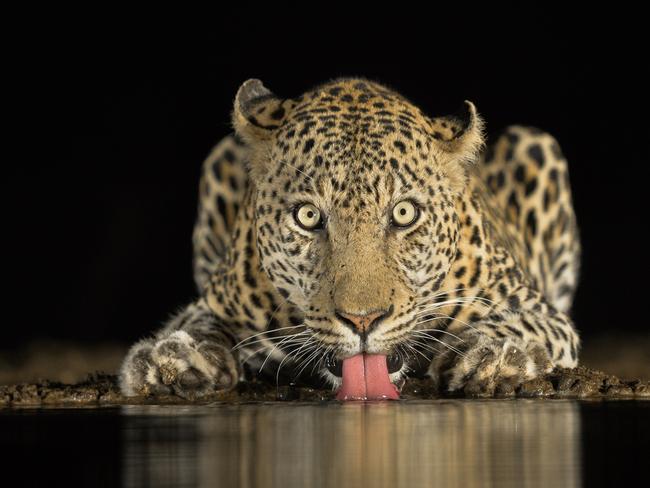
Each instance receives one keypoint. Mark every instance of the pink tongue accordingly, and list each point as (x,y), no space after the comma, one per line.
(365,377)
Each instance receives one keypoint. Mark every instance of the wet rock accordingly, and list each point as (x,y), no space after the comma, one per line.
(101,389)
(539,387)
(641,389)
(108,397)
(24,394)
(418,388)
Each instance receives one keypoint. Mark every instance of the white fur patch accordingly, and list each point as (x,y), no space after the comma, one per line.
(182,337)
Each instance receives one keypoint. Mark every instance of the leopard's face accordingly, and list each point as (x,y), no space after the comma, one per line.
(356,221)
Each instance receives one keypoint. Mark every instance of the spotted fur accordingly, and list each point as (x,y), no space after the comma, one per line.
(475,292)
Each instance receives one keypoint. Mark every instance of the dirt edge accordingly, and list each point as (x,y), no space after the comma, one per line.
(102,390)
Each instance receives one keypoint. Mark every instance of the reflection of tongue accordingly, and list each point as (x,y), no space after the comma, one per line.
(365,377)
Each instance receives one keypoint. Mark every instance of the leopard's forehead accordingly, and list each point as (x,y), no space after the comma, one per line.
(355,113)
(355,134)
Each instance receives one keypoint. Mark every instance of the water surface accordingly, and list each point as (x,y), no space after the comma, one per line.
(441,443)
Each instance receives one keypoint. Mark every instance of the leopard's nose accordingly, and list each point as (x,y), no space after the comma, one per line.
(363,323)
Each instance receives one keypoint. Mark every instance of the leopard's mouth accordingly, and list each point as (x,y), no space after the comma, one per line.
(367,376)
(335,366)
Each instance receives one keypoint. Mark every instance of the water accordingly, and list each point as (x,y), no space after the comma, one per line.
(444,443)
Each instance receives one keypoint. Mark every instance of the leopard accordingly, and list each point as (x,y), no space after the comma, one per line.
(346,221)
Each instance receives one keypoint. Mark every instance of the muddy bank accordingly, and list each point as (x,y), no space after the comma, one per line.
(100,389)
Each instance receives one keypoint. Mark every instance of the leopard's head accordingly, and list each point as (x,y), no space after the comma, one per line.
(355,205)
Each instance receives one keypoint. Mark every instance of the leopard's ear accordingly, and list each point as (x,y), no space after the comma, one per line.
(257,112)
(461,134)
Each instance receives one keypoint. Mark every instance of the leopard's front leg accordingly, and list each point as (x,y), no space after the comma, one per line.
(497,353)
(190,357)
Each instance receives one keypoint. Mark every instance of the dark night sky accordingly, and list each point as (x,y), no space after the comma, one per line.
(113,120)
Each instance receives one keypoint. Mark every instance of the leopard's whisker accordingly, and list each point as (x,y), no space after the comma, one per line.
(454,290)
(446,292)
(425,345)
(457,300)
(422,332)
(276,347)
(243,341)
(296,169)
(407,344)
(448,346)
(287,340)
(307,361)
(277,374)
(453,301)
(320,361)
(270,339)
(300,358)
(307,346)
(442,316)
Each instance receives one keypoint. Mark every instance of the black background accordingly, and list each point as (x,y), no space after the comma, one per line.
(113,116)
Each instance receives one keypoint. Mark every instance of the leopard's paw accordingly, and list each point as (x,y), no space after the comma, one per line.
(486,366)
(178,365)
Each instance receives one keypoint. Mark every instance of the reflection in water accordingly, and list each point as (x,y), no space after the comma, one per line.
(443,443)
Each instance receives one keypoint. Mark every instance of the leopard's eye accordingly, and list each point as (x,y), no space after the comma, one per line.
(308,217)
(405,213)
